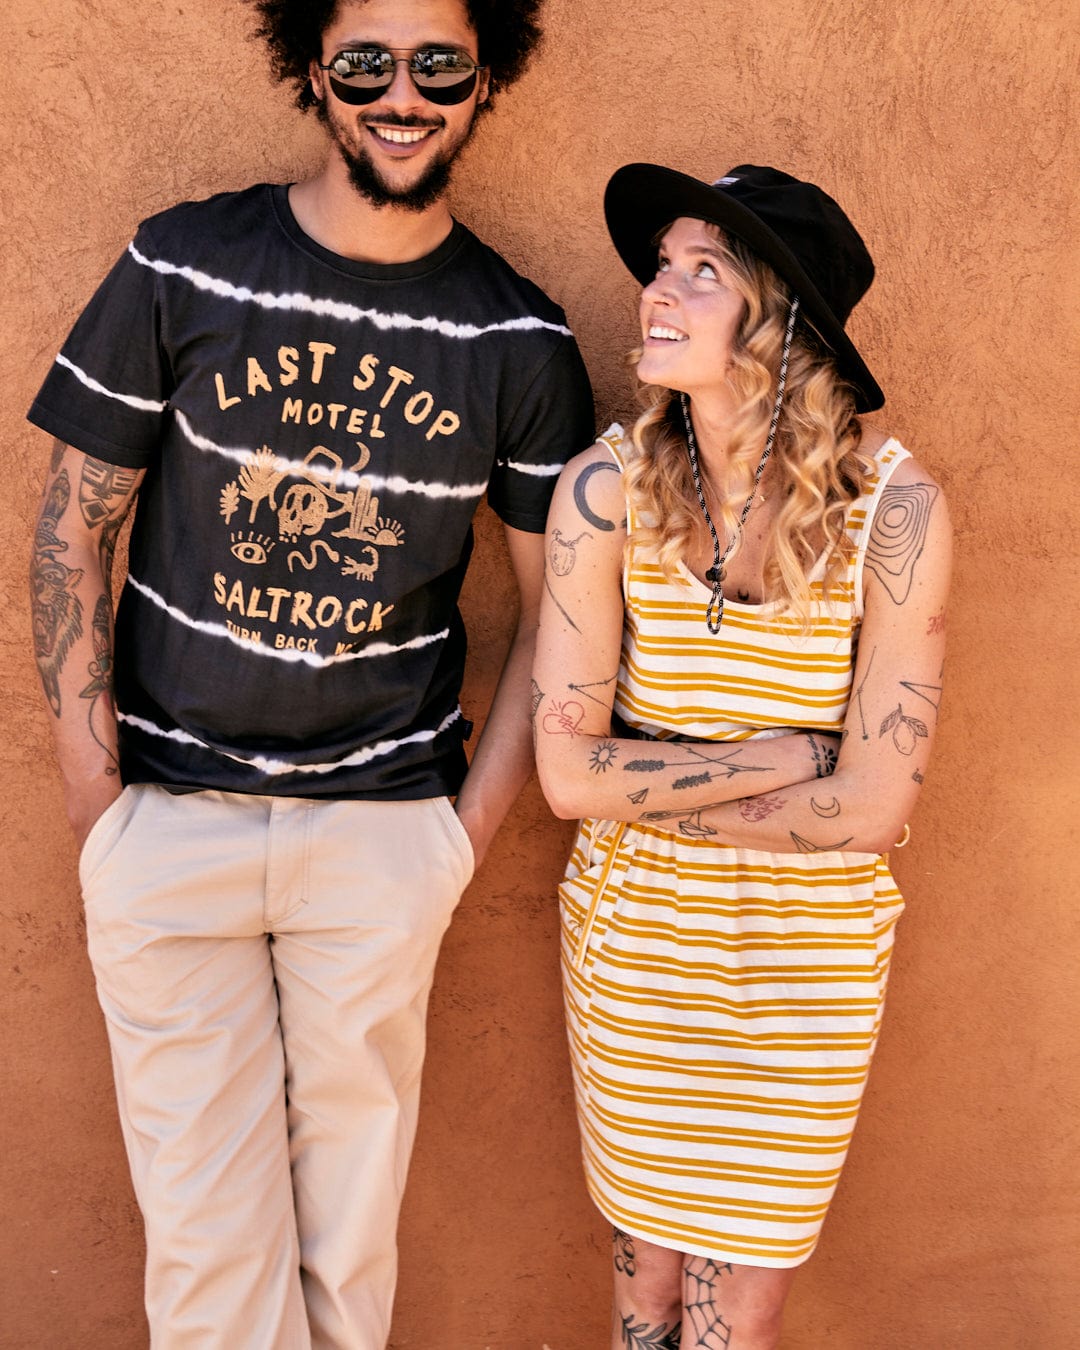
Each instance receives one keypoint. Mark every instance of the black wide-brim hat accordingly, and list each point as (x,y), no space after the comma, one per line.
(793,226)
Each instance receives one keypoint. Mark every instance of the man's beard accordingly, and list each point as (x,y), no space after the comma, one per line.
(370,183)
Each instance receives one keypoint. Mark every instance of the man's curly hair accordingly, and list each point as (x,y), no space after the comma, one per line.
(508,32)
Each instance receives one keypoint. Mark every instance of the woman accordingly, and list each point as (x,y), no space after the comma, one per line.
(737,684)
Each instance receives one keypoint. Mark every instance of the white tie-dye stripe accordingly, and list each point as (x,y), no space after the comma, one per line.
(142,404)
(274,768)
(337,309)
(535,470)
(239,454)
(290,654)
(340,478)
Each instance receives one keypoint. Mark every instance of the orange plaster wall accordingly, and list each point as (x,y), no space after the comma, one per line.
(944,130)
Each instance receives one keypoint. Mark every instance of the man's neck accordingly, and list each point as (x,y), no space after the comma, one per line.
(331,211)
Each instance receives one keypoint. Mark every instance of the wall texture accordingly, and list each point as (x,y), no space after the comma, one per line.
(944,130)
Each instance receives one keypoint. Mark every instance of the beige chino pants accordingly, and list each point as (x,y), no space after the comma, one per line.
(264,966)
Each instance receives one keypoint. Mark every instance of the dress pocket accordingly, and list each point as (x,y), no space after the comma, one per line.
(590,897)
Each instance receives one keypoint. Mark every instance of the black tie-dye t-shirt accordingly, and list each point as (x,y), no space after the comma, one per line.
(317,434)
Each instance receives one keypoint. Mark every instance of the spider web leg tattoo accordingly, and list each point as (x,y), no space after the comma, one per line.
(710,1330)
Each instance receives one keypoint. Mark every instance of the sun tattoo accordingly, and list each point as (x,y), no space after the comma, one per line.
(603,756)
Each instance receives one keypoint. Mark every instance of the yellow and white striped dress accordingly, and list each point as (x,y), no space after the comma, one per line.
(723,1003)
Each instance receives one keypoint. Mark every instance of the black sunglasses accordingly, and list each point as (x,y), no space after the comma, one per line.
(444,75)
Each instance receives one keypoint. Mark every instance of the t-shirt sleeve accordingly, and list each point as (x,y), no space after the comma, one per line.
(108,390)
(551,423)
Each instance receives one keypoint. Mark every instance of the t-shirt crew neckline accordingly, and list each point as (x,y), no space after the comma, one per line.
(367,271)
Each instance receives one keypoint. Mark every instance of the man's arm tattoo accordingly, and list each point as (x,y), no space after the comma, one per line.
(57,610)
(100,689)
(103,491)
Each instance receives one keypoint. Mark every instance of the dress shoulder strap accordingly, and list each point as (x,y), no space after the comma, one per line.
(613,438)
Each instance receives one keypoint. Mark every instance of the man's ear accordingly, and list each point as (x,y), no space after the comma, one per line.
(484,87)
(315,80)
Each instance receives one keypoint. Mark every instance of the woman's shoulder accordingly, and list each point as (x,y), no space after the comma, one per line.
(906,538)
(609,445)
(906,519)
(591,483)
(888,453)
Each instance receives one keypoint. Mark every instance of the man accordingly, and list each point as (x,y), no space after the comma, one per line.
(309,389)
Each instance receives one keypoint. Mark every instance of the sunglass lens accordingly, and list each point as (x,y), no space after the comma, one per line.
(361,75)
(444,75)
(364,66)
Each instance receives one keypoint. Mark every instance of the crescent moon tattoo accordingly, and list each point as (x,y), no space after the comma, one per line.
(826,809)
(598,522)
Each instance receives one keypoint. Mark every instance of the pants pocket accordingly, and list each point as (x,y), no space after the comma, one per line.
(105,834)
(459,836)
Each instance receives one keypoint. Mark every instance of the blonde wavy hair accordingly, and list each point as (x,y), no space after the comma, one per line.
(818,467)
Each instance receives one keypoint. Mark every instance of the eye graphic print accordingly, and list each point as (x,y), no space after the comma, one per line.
(250,547)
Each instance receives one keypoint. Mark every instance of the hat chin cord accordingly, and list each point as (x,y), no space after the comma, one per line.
(714,613)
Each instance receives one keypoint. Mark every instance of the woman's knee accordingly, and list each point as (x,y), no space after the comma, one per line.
(744,1305)
(648,1283)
